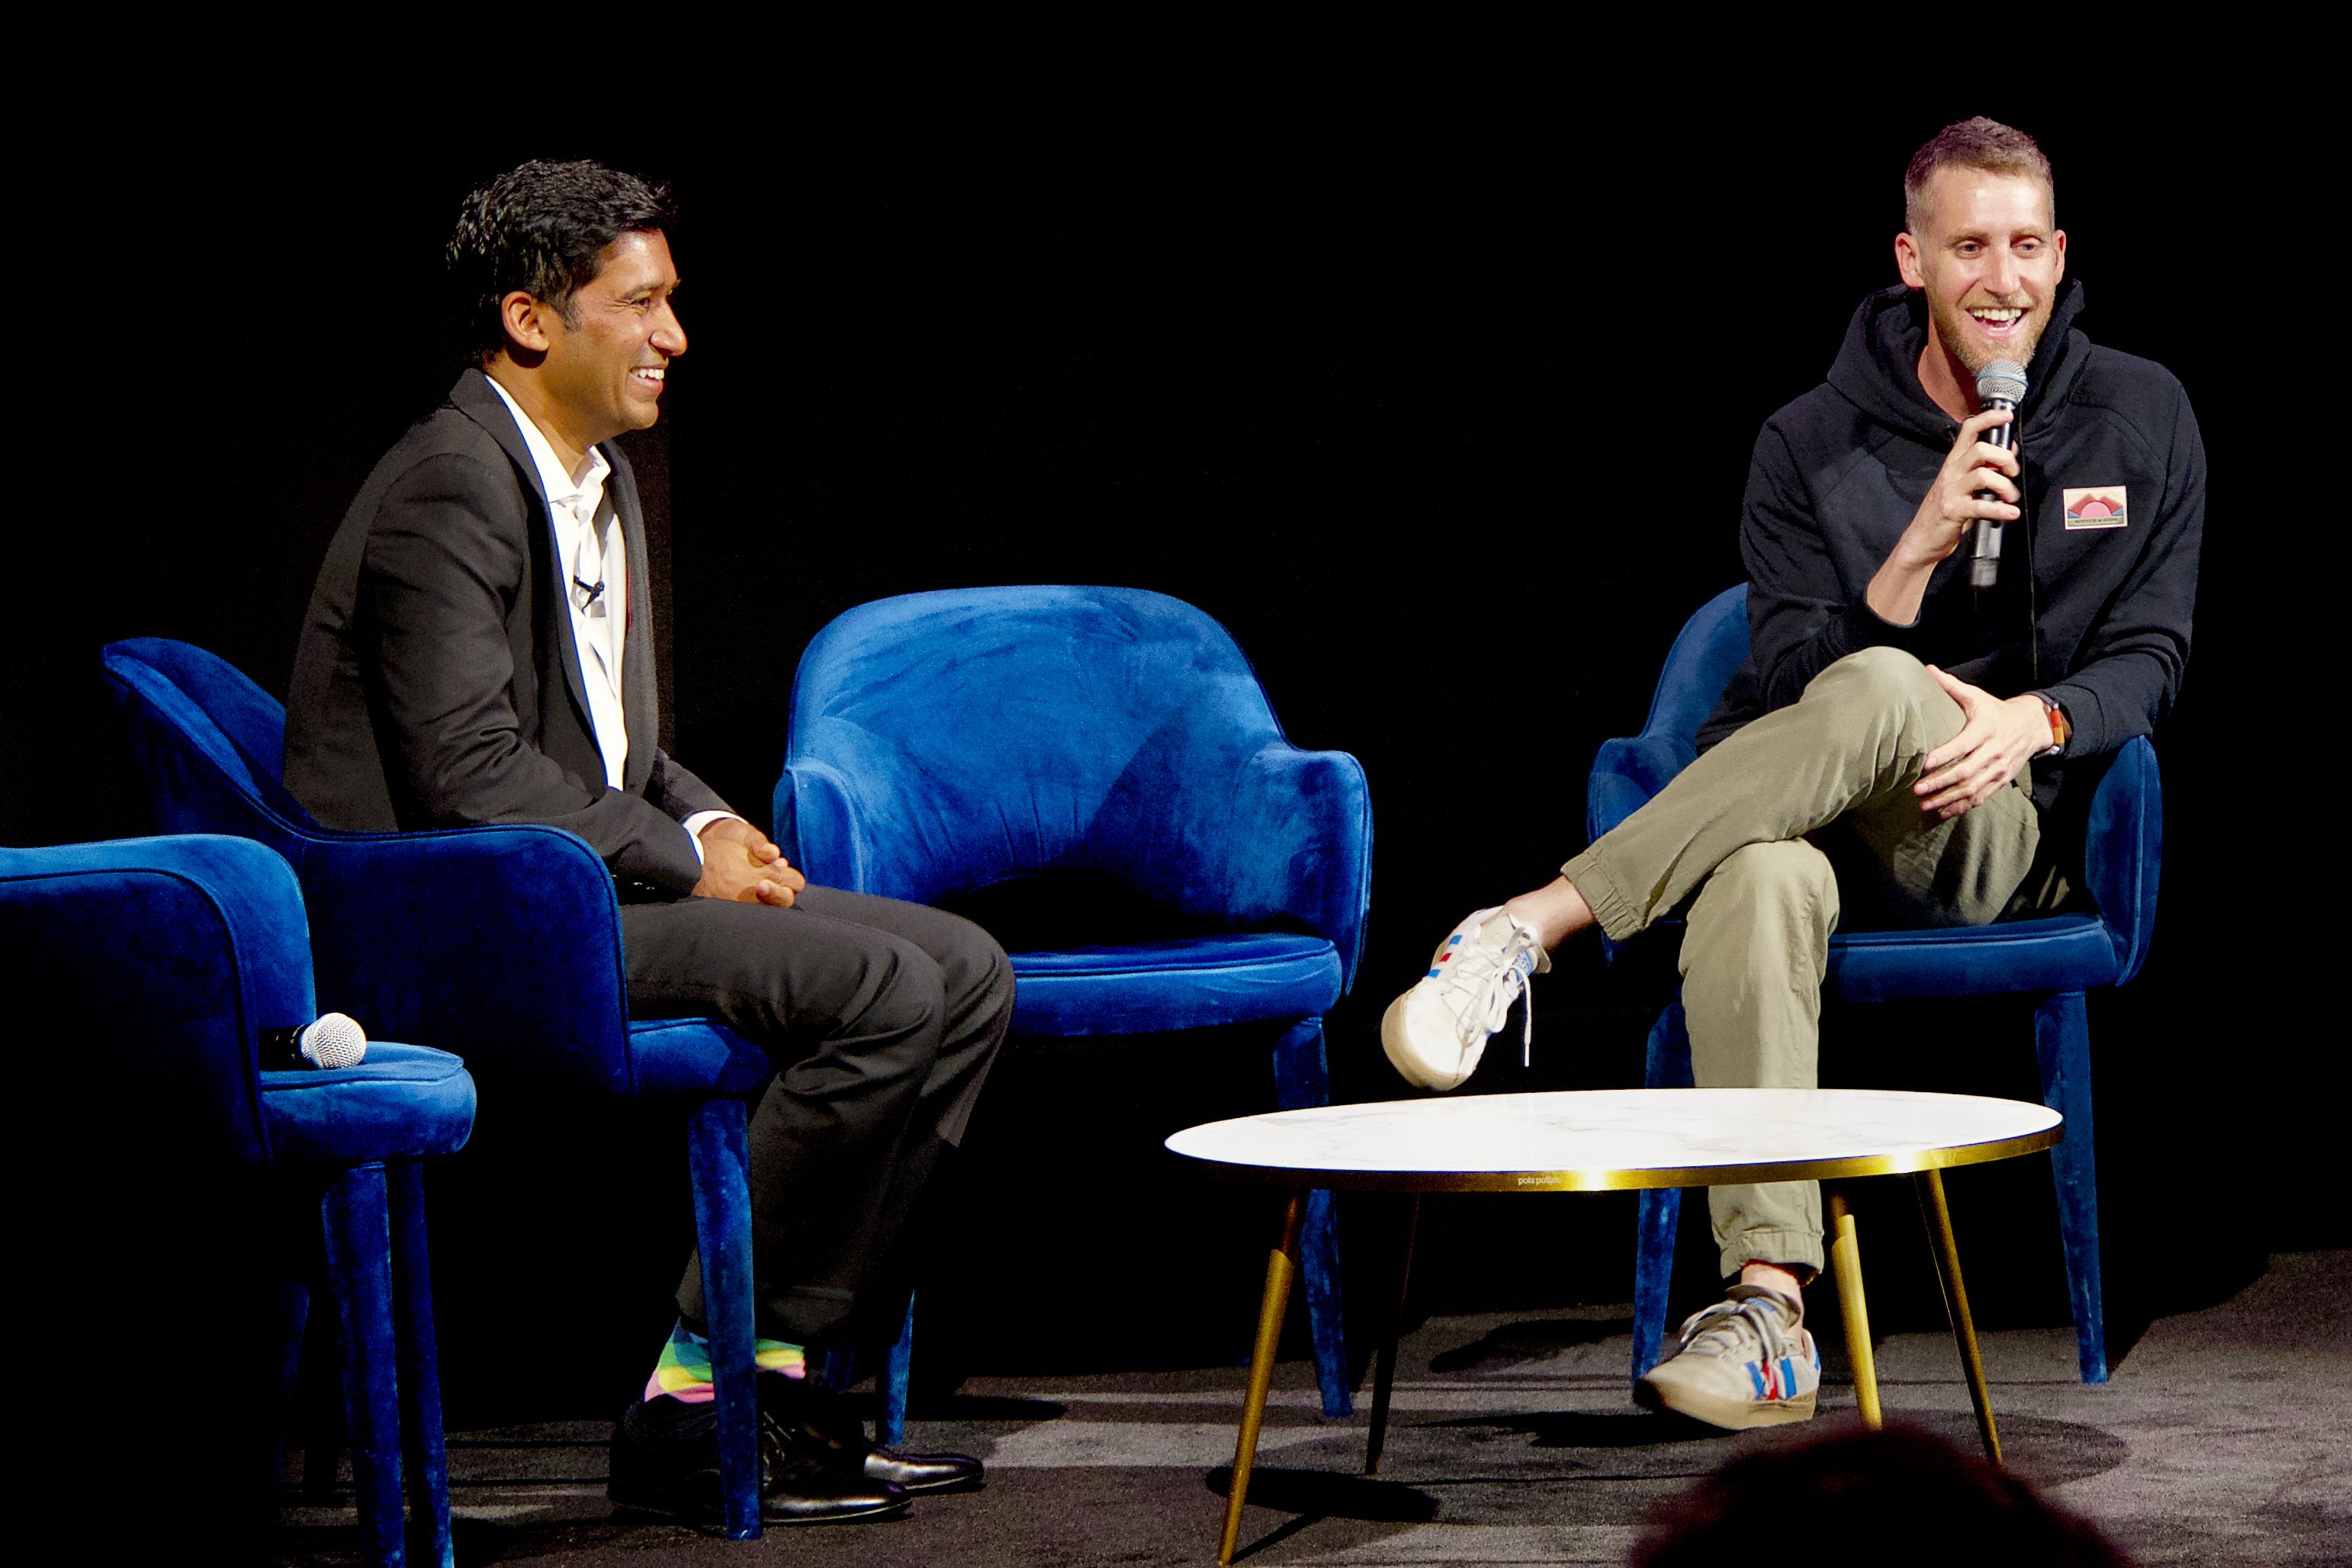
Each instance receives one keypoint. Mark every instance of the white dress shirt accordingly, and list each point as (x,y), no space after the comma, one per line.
(595,564)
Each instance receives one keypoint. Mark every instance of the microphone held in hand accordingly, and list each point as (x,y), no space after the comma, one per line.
(2000,384)
(334,1040)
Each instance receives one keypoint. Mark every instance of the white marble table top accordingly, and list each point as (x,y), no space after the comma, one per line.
(1595,1140)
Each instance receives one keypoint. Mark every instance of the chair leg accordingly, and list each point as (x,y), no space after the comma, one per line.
(319,1399)
(1668,1066)
(424,1449)
(898,1368)
(358,1230)
(1318,1251)
(722,1226)
(1667,1062)
(1302,1077)
(2062,1043)
(293,1316)
(1659,1216)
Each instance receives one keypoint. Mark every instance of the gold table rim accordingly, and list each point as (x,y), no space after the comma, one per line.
(1605,1181)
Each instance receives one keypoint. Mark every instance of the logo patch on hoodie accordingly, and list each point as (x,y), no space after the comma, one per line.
(2098,506)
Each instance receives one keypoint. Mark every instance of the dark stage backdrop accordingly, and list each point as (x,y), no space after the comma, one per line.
(1443,410)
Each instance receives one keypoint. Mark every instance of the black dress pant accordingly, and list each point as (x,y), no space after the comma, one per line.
(882,1019)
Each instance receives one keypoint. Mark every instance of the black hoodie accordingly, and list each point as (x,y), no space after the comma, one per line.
(1839,473)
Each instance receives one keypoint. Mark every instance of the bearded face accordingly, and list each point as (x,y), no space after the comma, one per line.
(1989,259)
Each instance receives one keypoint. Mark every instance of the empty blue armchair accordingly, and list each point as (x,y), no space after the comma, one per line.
(171,956)
(503,943)
(946,744)
(2054,960)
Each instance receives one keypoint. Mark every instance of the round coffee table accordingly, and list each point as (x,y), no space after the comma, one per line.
(1609,1139)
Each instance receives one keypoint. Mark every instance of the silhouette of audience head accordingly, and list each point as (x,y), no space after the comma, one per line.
(1851,1495)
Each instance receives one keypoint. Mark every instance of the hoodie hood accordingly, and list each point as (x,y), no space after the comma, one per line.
(1877,366)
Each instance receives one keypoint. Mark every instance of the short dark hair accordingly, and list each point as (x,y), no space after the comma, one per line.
(541,228)
(1978,144)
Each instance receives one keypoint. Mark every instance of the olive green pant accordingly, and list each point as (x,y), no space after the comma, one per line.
(1759,838)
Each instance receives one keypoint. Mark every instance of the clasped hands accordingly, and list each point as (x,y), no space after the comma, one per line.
(739,862)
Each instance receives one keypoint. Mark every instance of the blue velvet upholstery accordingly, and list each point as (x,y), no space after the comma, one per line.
(1185,983)
(503,943)
(945,744)
(941,743)
(175,954)
(2055,960)
(403,1102)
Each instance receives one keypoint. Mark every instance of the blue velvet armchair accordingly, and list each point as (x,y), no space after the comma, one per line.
(950,742)
(169,956)
(503,943)
(2052,961)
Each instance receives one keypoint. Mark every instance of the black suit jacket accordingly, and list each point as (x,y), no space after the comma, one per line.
(438,683)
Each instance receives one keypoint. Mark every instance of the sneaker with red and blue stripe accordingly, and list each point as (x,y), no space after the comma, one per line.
(1436,1032)
(1748,1360)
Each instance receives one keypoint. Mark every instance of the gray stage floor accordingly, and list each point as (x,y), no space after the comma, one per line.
(2225,1436)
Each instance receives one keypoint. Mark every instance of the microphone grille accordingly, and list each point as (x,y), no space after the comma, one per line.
(2003,380)
(336,1040)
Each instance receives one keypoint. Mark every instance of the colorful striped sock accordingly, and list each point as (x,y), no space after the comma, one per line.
(683,1371)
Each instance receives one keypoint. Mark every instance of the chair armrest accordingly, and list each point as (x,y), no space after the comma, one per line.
(817,827)
(1626,774)
(1304,821)
(151,965)
(2123,851)
(500,943)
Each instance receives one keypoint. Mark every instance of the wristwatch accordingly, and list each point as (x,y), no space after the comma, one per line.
(2060,730)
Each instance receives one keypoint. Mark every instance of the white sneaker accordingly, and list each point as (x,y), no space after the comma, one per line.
(1436,1032)
(1748,1360)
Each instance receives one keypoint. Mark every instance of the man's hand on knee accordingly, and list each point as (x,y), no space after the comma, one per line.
(1993,745)
(739,862)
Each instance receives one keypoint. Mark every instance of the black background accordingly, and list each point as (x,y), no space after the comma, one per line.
(1442,405)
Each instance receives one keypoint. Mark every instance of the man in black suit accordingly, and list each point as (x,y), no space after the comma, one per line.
(476,650)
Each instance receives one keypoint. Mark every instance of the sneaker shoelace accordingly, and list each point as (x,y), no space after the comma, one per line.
(1731,1327)
(1489,985)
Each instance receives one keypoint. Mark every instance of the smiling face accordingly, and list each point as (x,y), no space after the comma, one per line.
(1988,258)
(602,370)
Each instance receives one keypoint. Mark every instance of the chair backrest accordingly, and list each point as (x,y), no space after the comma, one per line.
(1709,650)
(142,971)
(2123,842)
(1706,653)
(989,734)
(404,927)
(2123,851)
(210,744)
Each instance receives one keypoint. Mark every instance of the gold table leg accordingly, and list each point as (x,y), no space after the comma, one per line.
(1384,1367)
(1279,1269)
(1930,1187)
(1845,1260)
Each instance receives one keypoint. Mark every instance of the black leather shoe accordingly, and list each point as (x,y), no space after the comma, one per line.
(666,1460)
(811,1421)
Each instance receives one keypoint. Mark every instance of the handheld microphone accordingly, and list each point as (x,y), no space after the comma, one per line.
(333,1041)
(2000,384)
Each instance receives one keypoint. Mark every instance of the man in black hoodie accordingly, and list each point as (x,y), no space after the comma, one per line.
(1897,745)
